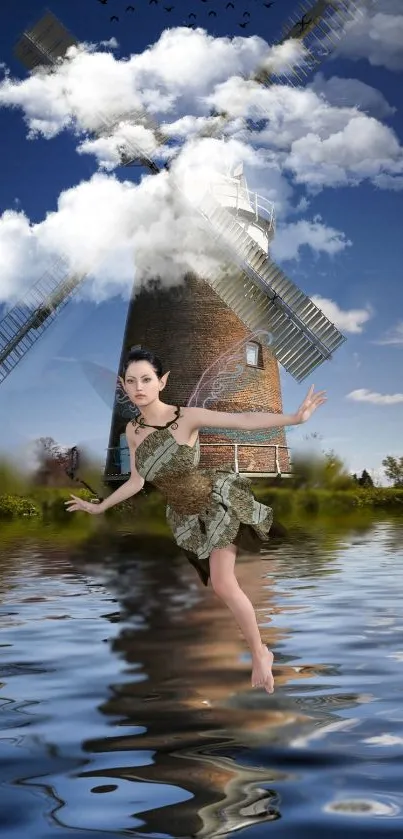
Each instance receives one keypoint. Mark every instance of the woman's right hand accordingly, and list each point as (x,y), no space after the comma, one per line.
(85,506)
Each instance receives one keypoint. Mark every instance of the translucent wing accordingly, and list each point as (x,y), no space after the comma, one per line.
(107,385)
(231,373)
(228,374)
(125,408)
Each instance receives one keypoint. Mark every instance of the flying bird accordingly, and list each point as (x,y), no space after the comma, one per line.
(114,17)
(246,14)
(230,4)
(212,13)
(153,1)
(242,25)
(169,8)
(269,5)
(192,15)
(104,2)
(130,9)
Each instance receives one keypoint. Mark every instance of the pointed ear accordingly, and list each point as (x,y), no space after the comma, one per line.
(164,378)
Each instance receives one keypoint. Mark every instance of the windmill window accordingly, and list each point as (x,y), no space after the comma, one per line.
(252,354)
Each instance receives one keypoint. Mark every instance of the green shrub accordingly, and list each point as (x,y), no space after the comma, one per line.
(12,481)
(308,500)
(12,506)
(281,499)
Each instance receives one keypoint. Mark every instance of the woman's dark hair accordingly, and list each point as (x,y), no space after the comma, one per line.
(138,354)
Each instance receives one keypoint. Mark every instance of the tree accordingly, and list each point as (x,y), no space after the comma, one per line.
(394,470)
(365,480)
(52,462)
(322,471)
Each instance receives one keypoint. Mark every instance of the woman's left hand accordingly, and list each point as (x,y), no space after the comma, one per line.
(309,405)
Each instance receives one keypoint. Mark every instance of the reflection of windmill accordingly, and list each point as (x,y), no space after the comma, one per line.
(193,322)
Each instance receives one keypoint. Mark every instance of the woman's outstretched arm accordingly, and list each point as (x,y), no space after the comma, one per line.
(253,420)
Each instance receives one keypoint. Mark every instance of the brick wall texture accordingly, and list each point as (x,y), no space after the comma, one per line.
(188,326)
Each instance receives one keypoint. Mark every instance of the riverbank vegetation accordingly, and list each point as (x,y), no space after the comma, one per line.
(320,483)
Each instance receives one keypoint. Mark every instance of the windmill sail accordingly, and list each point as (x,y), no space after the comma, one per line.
(258,291)
(27,320)
(263,297)
(44,42)
(320,26)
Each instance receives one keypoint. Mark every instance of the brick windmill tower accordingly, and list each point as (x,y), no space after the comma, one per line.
(250,303)
(190,327)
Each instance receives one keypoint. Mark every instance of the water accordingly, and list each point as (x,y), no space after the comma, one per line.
(126,704)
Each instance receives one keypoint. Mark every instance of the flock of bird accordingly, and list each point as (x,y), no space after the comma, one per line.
(192,17)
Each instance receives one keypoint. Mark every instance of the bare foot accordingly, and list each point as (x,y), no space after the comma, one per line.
(261,672)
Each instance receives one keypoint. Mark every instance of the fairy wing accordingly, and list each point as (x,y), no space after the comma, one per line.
(108,387)
(229,373)
(232,373)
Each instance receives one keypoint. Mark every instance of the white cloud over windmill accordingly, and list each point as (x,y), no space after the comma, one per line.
(115,227)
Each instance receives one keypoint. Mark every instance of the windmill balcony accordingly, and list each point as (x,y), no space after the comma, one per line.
(245,205)
(278,460)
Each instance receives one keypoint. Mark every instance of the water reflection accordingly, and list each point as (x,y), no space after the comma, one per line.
(126,702)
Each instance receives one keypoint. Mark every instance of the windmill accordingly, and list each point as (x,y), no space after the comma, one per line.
(251,295)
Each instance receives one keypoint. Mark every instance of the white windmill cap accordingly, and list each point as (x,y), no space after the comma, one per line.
(231,190)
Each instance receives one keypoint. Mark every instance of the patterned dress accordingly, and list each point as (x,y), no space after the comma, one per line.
(206,508)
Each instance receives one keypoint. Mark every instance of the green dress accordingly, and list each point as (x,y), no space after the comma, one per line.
(206,508)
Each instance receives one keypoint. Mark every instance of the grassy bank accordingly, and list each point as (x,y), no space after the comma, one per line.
(49,504)
(288,500)
(321,515)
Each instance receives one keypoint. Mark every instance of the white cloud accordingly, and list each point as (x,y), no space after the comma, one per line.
(363,149)
(115,230)
(111,43)
(125,136)
(352,93)
(282,57)
(119,229)
(364,395)
(185,74)
(394,336)
(376,35)
(290,238)
(349,320)
(317,143)
(392,182)
(173,74)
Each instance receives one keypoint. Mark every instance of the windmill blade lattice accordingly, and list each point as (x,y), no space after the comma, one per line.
(259,292)
(303,337)
(27,320)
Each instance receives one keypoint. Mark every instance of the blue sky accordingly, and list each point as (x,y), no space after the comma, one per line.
(335,173)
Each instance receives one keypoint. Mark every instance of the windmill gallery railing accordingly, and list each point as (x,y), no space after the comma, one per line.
(121,460)
(234,196)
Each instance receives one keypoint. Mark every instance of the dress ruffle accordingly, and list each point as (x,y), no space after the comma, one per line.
(206,508)
(233,516)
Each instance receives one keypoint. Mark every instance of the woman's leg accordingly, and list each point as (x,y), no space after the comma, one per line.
(227,588)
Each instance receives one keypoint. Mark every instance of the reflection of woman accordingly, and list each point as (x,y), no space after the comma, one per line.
(211,512)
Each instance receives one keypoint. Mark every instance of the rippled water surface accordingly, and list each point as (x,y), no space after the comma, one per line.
(126,704)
